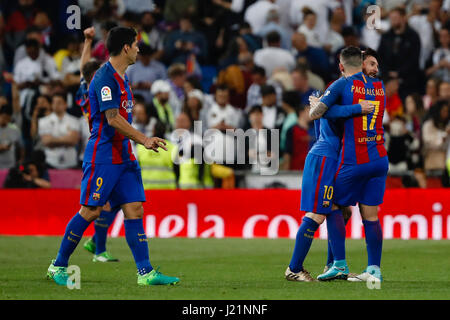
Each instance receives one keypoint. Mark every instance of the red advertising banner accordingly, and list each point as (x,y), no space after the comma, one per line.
(405,214)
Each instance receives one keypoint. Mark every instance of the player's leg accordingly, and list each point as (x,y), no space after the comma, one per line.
(347,214)
(371,198)
(129,193)
(90,244)
(102,225)
(72,236)
(305,235)
(336,240)
(316,194)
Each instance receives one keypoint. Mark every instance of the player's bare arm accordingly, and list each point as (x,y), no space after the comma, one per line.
(318,109)
(89,34)
(119,123)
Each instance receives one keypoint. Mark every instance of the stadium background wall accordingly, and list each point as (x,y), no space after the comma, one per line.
(405,214)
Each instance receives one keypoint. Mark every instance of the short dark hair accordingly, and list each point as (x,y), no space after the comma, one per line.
(6,109)
(61,95)
(255,108)
(118,37)
(273,37)
(400,10)
(369,53)
(291,98)
(222,87)
(267,89)
(145,49)
(89,69)
(32,43)
(351,56)
(108,25)
(259,70)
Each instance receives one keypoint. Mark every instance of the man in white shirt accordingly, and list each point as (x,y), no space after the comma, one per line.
(256,14)
(273,116)
(221,116)
(60,134)
(273,56)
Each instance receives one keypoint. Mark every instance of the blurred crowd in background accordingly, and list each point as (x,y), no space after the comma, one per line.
(231,64)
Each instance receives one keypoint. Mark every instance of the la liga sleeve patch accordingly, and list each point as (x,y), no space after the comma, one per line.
(106,93)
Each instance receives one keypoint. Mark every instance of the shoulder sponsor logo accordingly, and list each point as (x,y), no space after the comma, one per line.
(106,94)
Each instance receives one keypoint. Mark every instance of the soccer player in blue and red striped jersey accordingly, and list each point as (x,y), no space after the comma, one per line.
(361,174)
(319,172)
(96,244)
(110,170)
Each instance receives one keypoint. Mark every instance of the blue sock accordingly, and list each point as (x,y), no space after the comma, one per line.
(74,231)
(374,242)
(101,229)
(137,241)
(330,257)
(305,236)
(336,234)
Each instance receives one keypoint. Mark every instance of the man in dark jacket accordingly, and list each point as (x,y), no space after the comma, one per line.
(399,52)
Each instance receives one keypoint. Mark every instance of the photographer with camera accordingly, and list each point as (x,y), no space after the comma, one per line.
(32,174)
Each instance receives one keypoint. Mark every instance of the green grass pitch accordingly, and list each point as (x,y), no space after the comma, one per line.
(224,269)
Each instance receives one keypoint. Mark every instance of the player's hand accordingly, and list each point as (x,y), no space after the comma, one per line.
(313,100)
(366,107)
(155,143)
(89,33)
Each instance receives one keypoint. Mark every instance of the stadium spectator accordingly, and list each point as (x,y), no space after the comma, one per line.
(177,79)
(444,91)
(175,10)
(435,133)
(301,85)
(193,108)
(414,113)
(100,52)
(273,115)
(399,53)
(32,174)
(272,56)
(144,72)
(394,105)
(158,169)
(308,28)
(18,21)
(273,23)
(431,93)
(10,140)
(60,134)
(237,77)
(259,150)
(256,14)
(151,35)
(316,58)
(180,45)
(139,6)
(290,104)
(297,142)
(41,109)
(160,107)
(223,116)
(259,79)
(334,39)
(440,58)
(142,120)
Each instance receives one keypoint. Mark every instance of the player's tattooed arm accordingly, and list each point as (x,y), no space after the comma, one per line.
(317,110)
(119,123)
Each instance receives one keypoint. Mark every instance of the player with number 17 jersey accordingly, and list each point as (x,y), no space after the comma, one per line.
(363,164)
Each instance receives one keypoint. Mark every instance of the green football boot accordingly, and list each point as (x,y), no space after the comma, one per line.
(89,245)
(104,257)
(156,278)
(58,274)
